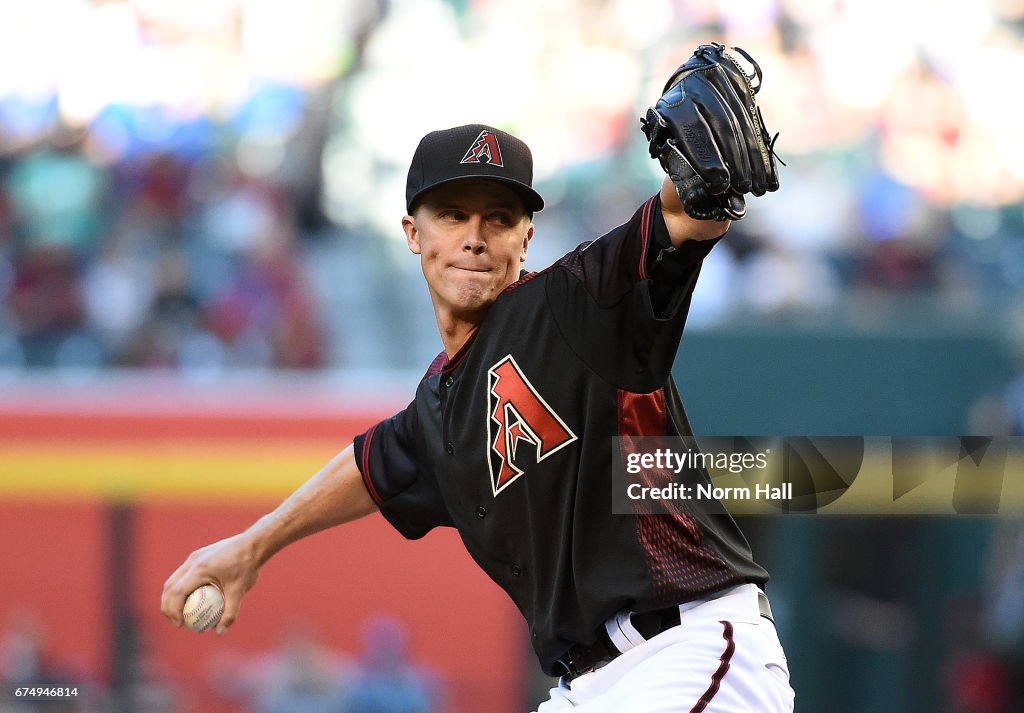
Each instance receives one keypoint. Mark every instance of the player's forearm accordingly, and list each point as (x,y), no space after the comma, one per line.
(682,227)
(333,496)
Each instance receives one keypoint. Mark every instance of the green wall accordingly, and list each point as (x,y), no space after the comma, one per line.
(772,381)
(754,380)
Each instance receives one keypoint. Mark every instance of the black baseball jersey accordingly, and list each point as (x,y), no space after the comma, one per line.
(511,441)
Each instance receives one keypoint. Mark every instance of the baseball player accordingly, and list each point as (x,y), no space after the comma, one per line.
(511,435)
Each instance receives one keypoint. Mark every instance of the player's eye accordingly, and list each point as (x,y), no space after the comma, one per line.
(452,215)
(503,219)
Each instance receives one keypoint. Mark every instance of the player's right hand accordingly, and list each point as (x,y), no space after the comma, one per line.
(230,564)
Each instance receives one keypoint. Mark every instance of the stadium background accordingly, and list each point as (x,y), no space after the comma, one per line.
(204,293)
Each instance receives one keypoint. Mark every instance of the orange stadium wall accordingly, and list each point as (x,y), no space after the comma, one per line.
(182,470)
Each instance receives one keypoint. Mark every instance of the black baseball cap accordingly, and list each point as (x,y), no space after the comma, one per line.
(472,151)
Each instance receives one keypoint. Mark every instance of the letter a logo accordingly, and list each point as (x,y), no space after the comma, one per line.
(518,415)
(485,147)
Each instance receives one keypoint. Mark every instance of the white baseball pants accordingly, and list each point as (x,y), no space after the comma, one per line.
(724,657)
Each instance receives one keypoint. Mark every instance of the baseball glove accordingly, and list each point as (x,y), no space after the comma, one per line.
(708,134)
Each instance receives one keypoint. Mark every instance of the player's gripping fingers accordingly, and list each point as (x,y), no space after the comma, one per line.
(176,589)
(232,604)
(193,573)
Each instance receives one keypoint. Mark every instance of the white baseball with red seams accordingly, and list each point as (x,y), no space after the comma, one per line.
(203,608)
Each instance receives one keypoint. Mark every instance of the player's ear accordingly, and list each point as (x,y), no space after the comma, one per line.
(526,243)
(412,236)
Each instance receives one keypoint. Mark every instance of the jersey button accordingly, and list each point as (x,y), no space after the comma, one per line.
(481,511)
(516,570)
(449,448)
(448,382)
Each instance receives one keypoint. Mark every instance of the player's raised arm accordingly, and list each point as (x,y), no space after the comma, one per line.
(335,495)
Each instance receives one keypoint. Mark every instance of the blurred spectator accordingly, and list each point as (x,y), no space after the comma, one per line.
(265,316)
(385,680)
(301,676)
(26,662)
(979,683)
(153,688)
(44,302)
(57,195)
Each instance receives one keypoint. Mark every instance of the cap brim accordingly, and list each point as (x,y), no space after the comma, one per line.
(532,200)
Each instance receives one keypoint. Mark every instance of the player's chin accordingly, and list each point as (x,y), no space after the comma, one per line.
(470,300)
(469,297)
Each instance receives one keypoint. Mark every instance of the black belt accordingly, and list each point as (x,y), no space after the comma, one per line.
(581,658)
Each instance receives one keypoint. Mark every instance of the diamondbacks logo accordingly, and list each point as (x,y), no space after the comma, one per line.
(485,147)
(517,416)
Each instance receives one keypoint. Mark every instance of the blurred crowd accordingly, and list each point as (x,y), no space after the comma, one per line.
(205,186)
(118,265)
(301,675)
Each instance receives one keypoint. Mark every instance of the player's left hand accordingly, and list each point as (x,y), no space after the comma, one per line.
(708,133)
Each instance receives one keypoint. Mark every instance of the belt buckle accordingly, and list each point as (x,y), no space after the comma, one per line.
(764,607)
(571,670)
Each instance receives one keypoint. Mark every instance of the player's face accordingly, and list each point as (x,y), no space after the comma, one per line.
(472,238)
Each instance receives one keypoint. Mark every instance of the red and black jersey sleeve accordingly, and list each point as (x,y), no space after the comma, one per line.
(621,301)
(399,479)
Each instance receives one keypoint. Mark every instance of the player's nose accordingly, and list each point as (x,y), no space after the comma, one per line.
(473,237)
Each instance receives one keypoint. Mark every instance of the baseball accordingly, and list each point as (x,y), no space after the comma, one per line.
(203,608)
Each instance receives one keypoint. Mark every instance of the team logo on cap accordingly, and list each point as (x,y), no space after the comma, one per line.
(485,148)
(522,428)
